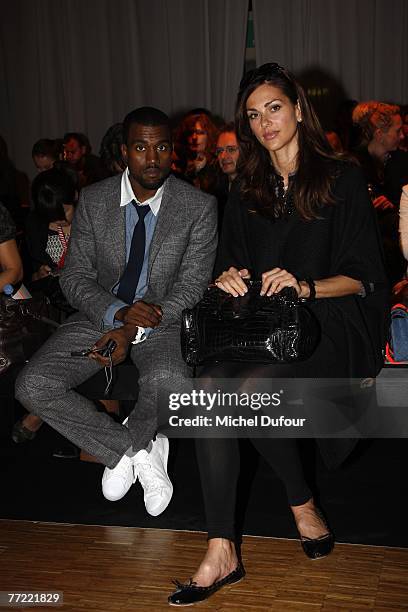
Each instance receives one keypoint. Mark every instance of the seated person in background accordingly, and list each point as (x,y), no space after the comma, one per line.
(11,268)
(48,230)
(195,147)
(380,135)
(142,249)
(45,153)
(381,132)
(111,150)
(77,152)
(227,153)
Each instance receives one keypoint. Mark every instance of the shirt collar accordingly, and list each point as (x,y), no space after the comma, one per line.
(127,195)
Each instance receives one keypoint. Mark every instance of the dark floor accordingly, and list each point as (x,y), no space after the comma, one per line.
(363,501)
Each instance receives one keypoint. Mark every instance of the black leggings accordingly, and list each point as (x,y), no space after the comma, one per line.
(219,462)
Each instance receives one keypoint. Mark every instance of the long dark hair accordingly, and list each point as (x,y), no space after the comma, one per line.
(51,190)
(316,162)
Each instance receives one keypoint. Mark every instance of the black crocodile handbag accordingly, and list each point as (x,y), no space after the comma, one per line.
(252,328)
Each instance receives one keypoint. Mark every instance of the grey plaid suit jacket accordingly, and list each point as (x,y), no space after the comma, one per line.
(181,256)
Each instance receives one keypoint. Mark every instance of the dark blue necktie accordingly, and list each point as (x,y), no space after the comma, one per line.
(128,282)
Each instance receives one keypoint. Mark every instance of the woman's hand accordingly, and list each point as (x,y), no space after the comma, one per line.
(335,286)
(276,279)
(231,281)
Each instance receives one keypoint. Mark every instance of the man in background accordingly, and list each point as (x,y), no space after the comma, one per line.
(77,153)
(227,152)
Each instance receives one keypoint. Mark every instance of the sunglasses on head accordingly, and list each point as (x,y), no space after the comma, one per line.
(263,71)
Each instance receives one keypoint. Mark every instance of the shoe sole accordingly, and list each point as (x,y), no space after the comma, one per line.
(165,461)
(167,450)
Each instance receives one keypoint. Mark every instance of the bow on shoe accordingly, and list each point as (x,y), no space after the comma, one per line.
(190,593)
(184,585)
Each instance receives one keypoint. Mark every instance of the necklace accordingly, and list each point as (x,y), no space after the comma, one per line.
(284,197)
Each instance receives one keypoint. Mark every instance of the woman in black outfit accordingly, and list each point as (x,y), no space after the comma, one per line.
(300,217)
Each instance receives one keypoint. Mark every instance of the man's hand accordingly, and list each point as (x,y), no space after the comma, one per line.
(42,272)
(123,337)
(140,314)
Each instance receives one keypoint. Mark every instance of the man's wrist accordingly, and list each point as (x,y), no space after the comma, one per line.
(130,331)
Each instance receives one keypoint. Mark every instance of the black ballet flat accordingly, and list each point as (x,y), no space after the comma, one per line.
(317,548)
(190,593)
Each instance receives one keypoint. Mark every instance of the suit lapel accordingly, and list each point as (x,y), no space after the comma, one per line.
(164,223)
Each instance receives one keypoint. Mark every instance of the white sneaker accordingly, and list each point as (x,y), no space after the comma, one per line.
(117,482)
(151,468)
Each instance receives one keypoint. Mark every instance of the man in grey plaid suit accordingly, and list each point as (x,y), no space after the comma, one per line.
(169,260)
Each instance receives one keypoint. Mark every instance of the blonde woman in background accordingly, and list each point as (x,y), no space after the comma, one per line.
(386,170)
